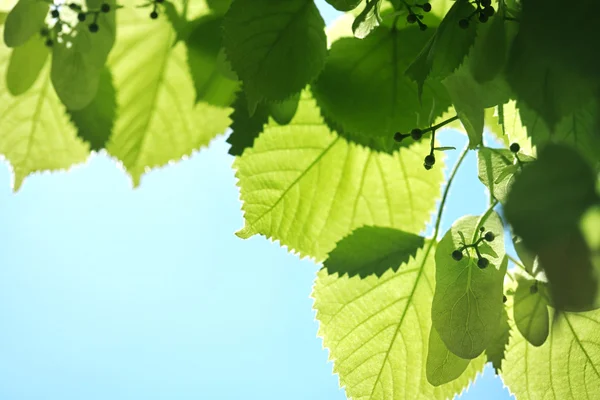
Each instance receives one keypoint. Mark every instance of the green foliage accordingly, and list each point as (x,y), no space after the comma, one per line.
(372,250)
(467,304)
(337,158)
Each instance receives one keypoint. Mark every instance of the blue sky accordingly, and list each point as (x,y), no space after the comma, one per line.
(112,293)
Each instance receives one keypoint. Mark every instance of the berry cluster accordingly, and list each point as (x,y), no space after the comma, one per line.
(481,261)
(484,12)
(51,33)
(413,17)
(416,134)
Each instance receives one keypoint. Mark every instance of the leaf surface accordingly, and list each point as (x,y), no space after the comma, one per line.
(442,366)
(496,349)
(276,47)
(372,250)
(377,328)
(531,312)
(23,21)
(468,300)
(308,187)
(26,63)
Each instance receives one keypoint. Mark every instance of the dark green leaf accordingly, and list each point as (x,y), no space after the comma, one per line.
(26,63)
(544,206)
(24,20)
(244,127)
(219,6)
(95,121)
(467,303)
(531,312)
(363,92)
(276,47)
(283,111)
(442,366)
(495,351)
(203,46)
(372,250)
(367,20)
(489,53)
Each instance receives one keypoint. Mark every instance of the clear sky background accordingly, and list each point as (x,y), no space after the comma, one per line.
(112,293)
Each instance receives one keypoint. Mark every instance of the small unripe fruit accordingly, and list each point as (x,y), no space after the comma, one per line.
(422,27)
(457,255)
(411,18)
(481,229)
(483,18)
(54,13)
(81,17)
(515,148)
(430,160)
(153,15)
(426,7)
(49,43)
(427,167)
(504,299)
(105,8)
(489,11)
(398,137)
(416,134)
(489,237)
(94,27)
(485,3)
(463,23)
(483,263)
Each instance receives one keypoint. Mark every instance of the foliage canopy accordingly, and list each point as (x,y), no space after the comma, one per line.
(336,155)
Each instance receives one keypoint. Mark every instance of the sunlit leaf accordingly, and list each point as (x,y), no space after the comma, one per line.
(26,63)
(442,366)
(24,20)
(496,349)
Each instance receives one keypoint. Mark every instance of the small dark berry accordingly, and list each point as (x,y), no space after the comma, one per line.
(426,7)
(463,23)
(44,31)
(430,160)
(485,3)
(481,229)
(398,137)
(74,6)
(153,15)
(515,148)
(489,237)
(416,134)
(105,7)
(533,289)
(504,299)
(457,255)
(422,27)
(427,167)
(411,18)
(483,18)
(489,11)
(81,17)
(93,27)
(49,42)
(483,263)
(54,13)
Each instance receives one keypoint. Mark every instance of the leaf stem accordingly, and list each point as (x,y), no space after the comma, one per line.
(438,126)
(485,216)
(438,221)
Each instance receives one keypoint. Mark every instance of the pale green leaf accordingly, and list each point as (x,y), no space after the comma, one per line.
(26,63)
(559,184)
(245,128)
(442,365)
(276,47)
(367,20)
(95,122)
(528,259)
(496,170)
(509,119)
(36,133)
(496,349)
(363,90)
(308,187)
(531,312)
(283,111)
(203,48)
(372,250)
(376,330)
(467,304)
(24,20)
(157,119)
(565,367)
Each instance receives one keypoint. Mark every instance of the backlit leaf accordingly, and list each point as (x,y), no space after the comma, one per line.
(442,366)
(26,63)
(24,20)
(531,312)
(496,349)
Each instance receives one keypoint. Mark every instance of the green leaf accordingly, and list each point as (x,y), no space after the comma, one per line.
(528,259)
(467,304)
(344,5)
(26,63)
(496,349)
(283,111)
(565,367)
(308,187)
(36,134)
(489,53)
(442,366)
(158,121)
(376,330)
(203,46)
(531,312)
(496,170)
(244,127)
(78,60)
(509,118)
(95,122)
(24,20)
(559,184)
(219,6)
(372,250)
(363,91)
(367,20)
(276,47)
